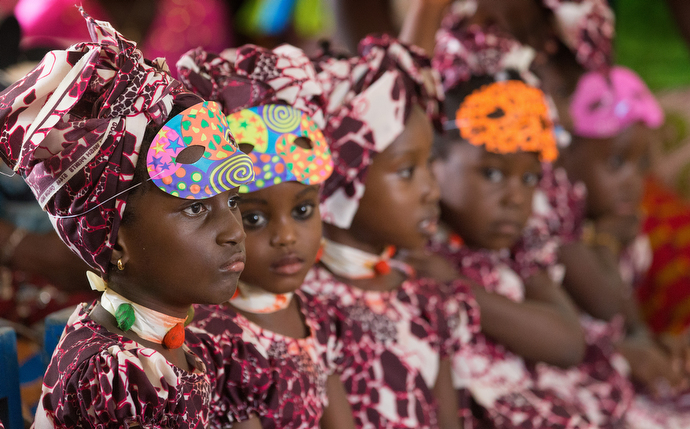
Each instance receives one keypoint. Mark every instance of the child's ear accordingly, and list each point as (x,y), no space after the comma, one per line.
(120,252)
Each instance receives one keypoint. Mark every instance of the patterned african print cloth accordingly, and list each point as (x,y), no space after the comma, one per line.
(513,393)
(73,126)
(558,211)
(394,344)
(271,97)
(558,216)
(369,99)
(664,294)
(296,396)
(100,379)
(462,50)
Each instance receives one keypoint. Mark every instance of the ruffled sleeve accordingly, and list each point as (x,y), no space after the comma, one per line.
(462,307)
(244,383)
(94,380)
(331,329)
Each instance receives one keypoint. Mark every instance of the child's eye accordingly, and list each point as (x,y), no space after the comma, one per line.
(406,173)
(531,179)
(254,220)
(195,209)
(644,164)
(233,202)
(494,175)
(616,162)
(303,211)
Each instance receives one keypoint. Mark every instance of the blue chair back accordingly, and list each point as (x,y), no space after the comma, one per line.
(54,326)
(10,399)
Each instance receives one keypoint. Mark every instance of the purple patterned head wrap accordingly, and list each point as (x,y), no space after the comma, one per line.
(369,100)
(462,50)
(73,128)
(271,98)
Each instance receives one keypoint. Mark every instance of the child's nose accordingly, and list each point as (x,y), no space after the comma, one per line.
(516,193)
(284,234)
(232,231)
(432,189)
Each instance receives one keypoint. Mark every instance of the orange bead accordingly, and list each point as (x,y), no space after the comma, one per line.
(175,337)
(382,268)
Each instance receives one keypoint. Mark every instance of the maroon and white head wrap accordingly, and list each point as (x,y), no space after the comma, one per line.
(252,76)
(462,50)
(369,100)
(73,128)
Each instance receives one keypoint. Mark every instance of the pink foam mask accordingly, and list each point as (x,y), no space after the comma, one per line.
(602,108)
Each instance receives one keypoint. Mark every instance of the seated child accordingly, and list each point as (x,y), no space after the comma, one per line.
(274,108)
(488,166)
(612,118)
(77,128)
(382,196)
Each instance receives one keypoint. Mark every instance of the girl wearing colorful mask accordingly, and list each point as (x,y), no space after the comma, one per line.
(488,165)
(160,225)
(274,107)
(381,198)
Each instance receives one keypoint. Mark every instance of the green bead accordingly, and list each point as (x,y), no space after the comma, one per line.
(125,316)
(190,316)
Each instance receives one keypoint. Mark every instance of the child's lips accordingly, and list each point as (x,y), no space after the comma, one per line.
(429,226)
(508,228)
(235,264)
(288,265)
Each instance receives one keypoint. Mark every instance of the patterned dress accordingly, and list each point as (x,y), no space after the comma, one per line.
(515,394)
(559,212)
(299,368)
(393,346)
(100,379)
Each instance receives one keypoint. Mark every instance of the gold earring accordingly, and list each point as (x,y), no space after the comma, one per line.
(120,265)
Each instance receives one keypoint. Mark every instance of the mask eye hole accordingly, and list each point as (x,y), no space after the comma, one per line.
(190,154)
(246,148)
(304,143)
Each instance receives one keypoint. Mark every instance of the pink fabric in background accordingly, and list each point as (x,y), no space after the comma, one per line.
(179,25)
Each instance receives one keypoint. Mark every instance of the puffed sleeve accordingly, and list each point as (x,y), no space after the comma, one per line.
(332,330)
(244,383)
(463,310)
(90,383)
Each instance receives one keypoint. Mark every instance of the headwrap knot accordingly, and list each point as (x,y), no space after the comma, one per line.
(73,128)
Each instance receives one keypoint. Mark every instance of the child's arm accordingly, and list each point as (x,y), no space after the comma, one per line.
(592,279)
(253,423)
(543,328)
(447,398)
(422,20)
(338,413)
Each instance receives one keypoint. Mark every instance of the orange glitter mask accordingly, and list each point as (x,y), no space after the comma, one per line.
(507,117)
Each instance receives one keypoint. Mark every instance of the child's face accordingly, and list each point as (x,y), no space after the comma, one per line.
(486,198)
(400,202)
(183,251)
(612,170)
(283,229)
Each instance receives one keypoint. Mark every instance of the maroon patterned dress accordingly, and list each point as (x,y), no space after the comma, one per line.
(99,379)
(559,213)
(513,393)
(299,368)
(393,345)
